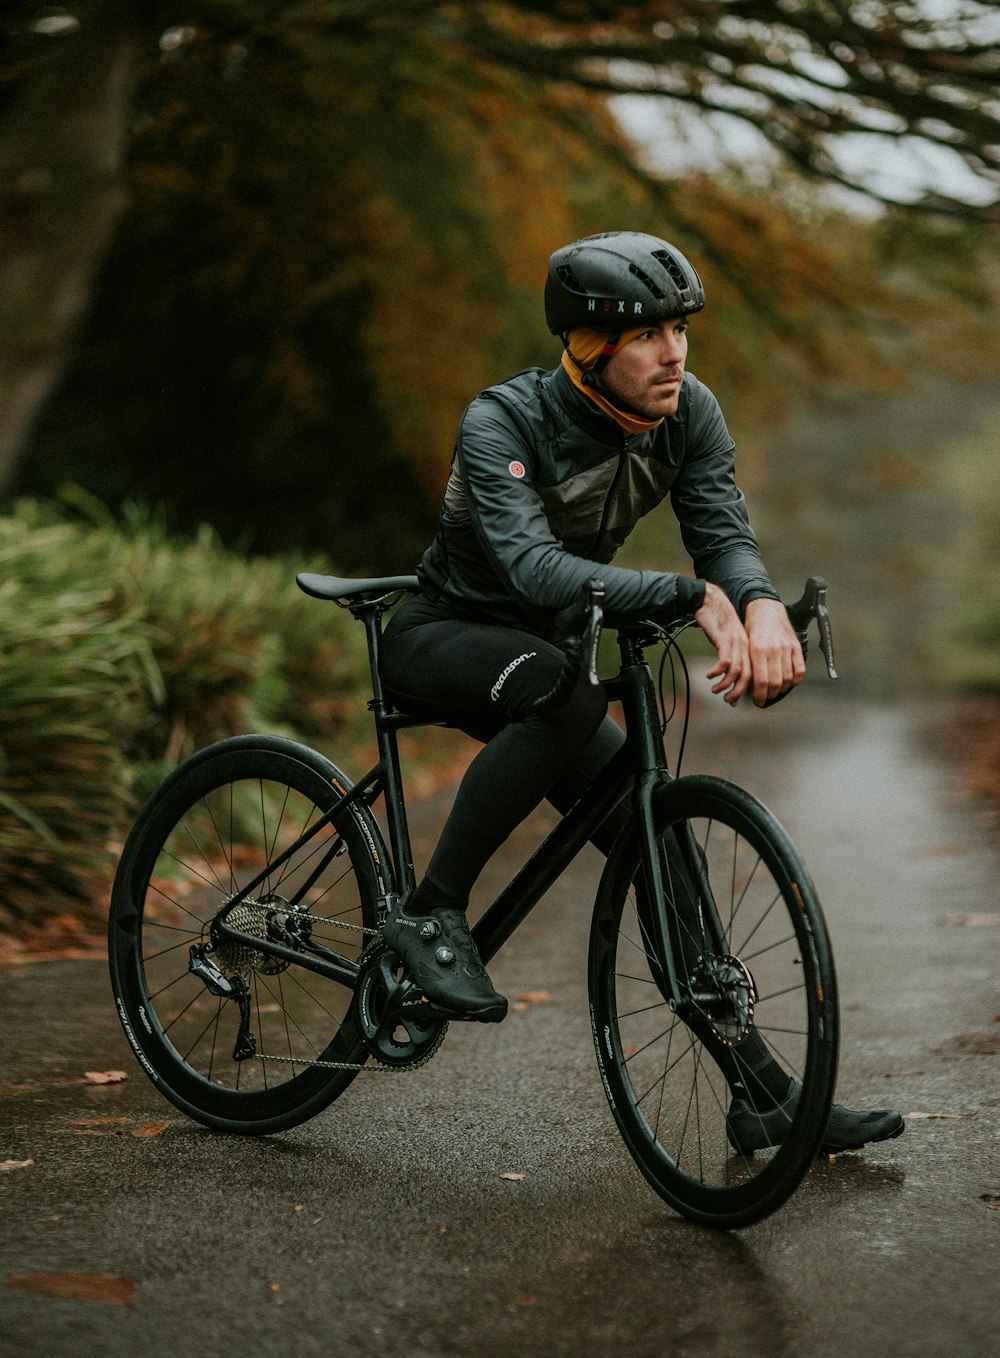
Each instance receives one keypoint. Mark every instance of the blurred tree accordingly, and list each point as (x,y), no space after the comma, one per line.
(339,215)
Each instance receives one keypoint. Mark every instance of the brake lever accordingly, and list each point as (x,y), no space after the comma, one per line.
(813,605)
(595,623)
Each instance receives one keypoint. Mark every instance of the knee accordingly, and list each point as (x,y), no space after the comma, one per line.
(580,717)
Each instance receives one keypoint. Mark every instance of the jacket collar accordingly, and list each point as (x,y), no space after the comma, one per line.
(588,417)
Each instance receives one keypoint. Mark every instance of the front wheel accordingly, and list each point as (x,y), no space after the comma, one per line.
(754,1013)
(238,1037)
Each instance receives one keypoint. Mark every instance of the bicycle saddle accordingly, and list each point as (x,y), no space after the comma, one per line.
(336,587)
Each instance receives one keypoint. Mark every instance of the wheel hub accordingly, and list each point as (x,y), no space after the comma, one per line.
(723,992)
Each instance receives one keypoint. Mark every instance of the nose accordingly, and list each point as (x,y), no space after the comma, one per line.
(673,348)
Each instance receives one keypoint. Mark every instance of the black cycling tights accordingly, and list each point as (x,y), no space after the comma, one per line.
(484,679)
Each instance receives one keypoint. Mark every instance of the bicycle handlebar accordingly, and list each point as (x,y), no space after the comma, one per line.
(581,649)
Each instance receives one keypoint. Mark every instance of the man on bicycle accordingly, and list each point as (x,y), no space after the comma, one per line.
(551,472)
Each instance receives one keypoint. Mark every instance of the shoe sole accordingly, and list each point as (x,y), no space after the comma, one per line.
(827,1149)
(491,1013)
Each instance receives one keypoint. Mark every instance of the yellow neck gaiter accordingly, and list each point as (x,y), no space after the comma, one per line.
(585,347)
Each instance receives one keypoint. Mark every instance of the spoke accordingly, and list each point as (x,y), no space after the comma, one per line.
(165,952)
(777,897)
(169,985)
(215,1035)
(215,880)
(216,885)
(286,1016)
(770,947)
(736,910)
(310,995)
(788,990)
(667,1032)
(671,1065)
(644,1009)
(226,853)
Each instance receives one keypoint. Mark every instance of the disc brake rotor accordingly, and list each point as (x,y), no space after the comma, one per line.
(727,999)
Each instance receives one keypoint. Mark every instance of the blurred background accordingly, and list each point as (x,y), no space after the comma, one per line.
(255,259)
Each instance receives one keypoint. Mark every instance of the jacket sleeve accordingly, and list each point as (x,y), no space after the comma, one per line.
(711,510)
(497,466)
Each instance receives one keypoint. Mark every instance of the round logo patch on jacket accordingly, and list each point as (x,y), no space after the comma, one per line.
(516,469)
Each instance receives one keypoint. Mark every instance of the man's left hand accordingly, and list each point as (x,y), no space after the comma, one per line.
(775,654)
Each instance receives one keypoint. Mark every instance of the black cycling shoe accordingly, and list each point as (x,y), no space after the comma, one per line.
(445,964)
(848,1129)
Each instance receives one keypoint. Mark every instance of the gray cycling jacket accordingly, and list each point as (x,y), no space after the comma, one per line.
(545,488)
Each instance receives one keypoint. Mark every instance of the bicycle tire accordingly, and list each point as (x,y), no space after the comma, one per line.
(664,1078)
(211,827)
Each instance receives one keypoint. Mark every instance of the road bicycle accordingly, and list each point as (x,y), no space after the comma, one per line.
(253,984)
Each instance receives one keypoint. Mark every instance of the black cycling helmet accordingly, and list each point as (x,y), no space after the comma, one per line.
(617,280)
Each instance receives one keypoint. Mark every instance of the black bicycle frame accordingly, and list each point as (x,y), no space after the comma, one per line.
(640,764)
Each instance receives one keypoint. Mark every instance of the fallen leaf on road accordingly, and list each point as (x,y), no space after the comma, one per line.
(971,1044)
(105,1077)
(95,1126)
(6,1165)
(515,1175)
(145,1129)
(525,1299)
(105,1288)
(533,997)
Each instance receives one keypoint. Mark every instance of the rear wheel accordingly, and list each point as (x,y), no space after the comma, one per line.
(757,994)
(238,1038)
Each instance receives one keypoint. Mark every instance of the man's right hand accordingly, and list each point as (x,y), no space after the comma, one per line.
(720,622)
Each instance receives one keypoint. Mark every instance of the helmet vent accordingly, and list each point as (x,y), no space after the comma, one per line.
(658,293)
(569,279)
(674,270)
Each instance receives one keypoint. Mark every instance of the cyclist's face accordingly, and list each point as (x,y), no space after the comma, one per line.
(646,373)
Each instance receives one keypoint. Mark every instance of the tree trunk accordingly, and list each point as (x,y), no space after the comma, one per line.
(62,148)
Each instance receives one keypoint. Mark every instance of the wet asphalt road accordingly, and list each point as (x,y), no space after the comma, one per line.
(384,1226)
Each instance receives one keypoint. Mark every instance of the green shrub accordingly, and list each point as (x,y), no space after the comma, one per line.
(123,651)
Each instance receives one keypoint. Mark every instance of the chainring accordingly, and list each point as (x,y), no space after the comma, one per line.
(388,1007)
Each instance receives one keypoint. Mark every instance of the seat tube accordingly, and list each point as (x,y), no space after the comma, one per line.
(388,749)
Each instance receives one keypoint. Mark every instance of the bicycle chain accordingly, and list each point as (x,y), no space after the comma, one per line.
(373,1067)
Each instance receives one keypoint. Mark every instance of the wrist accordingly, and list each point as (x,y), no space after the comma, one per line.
(761,604)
